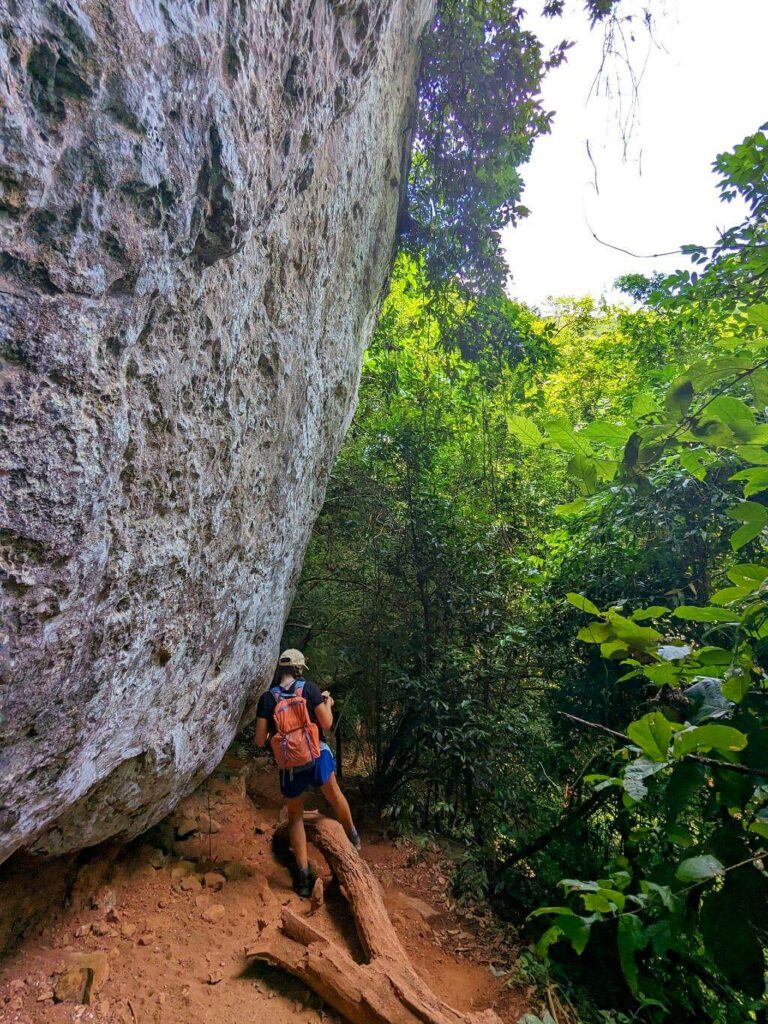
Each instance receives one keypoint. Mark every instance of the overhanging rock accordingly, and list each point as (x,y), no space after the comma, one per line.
(199,205)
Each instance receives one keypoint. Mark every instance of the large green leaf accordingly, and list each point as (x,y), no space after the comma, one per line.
(753,453)
(723,738)
(756,480)
(571,927)
(526,431)
(654,611)
(731,411)
(583,471)
(606,469)
(652,733)
(758,315)
(736,687)
(748,575)
(661,675)
(615,649)
(563,435)
(602,432)
(594,632)
(604,901)
(645,404)
(692,613)
(708,372)
(729,594)
(582,603)
(754,517)
(711,431)
(759,384)
(714,656)
(699,869)
(629,631)
(572,508)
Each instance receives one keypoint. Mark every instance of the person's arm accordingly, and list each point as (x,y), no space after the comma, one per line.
(322,705)
(325,714)
(263,712)
(261,732)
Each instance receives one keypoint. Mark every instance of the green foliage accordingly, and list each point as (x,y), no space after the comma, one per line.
(540,517)
(479,113)
(696,784)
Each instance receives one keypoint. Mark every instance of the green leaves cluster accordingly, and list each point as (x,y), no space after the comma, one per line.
(479,113)
(695,424)
(693,772)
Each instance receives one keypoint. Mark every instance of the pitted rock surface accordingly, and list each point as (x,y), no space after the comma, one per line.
(198,202)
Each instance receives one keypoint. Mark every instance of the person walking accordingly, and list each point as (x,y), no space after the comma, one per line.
(292,718)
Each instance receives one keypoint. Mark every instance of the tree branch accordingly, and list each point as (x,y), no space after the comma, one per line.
(710,762)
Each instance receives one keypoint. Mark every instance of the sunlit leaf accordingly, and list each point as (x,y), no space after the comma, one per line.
(758,315)
(756,480)
(525,430)
(654,611)
(729,594)
(583,471)
(652,733)
(753,516)
(699,869)
(747,575)
(723,738)
(582,603)
(594,633)
(692,613)
(564,436)
(605,433)
(736,687)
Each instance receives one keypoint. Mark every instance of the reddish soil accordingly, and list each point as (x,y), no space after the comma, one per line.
(173,919)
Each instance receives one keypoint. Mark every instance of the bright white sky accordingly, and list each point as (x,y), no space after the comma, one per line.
(705,86)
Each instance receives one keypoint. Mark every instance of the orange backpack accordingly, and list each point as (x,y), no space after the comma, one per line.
(296,744)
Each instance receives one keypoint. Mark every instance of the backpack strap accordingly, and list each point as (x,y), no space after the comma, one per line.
(279,693)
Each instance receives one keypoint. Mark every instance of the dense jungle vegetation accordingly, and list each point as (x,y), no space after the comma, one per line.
(538,584)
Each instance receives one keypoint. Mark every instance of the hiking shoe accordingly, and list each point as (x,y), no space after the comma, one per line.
(304,882)
(354,838)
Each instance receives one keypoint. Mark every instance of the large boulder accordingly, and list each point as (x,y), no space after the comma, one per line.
(199,200)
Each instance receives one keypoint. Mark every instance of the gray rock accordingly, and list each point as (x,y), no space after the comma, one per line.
(197,215)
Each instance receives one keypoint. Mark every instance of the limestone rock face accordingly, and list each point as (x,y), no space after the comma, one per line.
(198,202)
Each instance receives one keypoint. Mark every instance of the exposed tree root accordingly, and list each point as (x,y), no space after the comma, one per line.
(386,990)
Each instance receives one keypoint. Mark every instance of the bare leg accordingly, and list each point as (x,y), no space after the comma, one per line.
(338,802)
(298,837)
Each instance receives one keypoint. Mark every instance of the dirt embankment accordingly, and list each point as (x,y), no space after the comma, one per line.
(157,931)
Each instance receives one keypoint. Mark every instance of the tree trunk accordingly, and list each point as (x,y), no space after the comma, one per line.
(386,990)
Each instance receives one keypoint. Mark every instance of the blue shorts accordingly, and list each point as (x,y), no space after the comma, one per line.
(294,782)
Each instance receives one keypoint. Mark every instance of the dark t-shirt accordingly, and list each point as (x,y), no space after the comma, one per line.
(311,693)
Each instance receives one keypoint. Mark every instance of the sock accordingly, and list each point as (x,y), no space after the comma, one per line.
(304,871)
(353,835)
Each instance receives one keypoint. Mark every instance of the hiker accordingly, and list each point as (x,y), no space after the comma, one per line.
(291,716)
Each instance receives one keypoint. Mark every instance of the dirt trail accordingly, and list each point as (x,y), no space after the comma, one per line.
(163,939)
